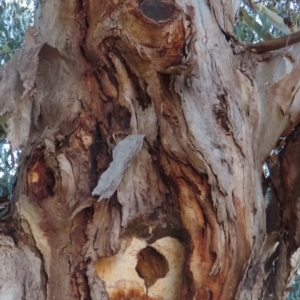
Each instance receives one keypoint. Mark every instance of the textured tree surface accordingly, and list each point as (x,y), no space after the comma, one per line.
(143,129)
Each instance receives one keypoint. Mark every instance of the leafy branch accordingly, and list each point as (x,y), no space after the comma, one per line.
(9,51)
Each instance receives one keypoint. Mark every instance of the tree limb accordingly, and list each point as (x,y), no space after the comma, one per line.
(275,44)
(9,51)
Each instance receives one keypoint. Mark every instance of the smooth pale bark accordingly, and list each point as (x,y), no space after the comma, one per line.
(181,213)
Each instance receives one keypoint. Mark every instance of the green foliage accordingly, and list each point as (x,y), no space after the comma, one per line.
(15,16)
(285,9)
(295,293)
(252,27)
(8,168)
(242,29)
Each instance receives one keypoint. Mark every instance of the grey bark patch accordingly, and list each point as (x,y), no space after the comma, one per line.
(18,77)
(20,272)
(124,152)
(16,89)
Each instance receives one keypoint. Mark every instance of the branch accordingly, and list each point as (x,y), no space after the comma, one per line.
(9,51)
(275,44)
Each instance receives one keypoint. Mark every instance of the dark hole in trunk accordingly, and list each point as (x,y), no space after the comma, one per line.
(157,10)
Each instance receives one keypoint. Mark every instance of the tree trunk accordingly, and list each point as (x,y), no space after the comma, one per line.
(143,131)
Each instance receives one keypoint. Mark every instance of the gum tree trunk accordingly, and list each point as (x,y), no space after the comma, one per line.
(143,132)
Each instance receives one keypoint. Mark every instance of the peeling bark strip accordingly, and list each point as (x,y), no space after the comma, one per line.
(16,101)
(124,152)
(17,91)
(147,98)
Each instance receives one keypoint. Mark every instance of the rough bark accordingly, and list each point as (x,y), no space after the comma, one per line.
(143,137)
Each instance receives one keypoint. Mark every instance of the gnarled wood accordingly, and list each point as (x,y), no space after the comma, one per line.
(185,216)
